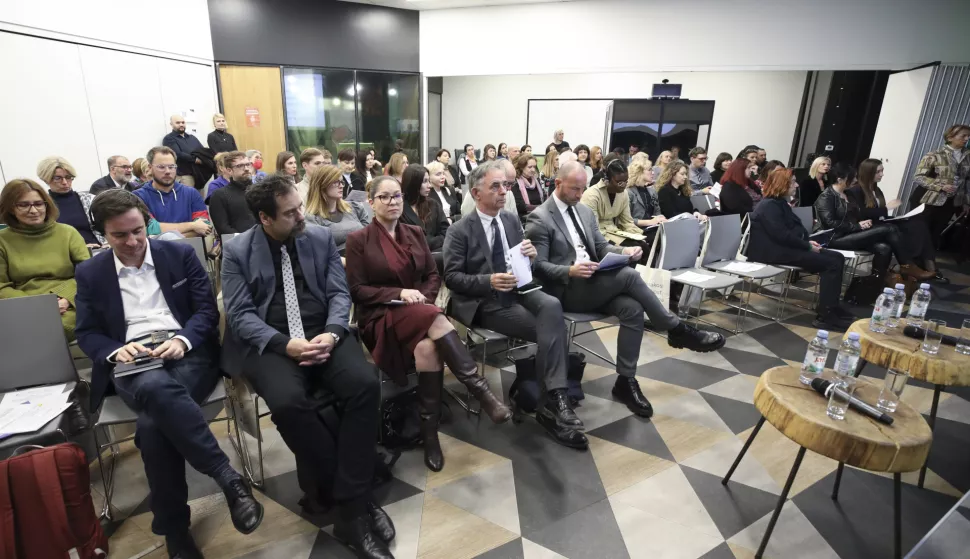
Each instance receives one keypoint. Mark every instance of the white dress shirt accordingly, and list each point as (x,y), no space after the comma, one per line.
(581,252)
(490,237)
(444,202)
(146,310)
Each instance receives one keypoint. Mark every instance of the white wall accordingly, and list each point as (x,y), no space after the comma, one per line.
(750,107)
(901,108)
(638,36)
(174,28)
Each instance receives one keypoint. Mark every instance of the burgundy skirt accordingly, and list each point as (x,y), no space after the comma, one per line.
(391,339)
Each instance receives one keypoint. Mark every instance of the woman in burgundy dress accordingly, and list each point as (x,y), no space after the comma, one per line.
(393,281)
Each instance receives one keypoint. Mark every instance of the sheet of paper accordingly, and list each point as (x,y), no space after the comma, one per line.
(13,399)
(743,267)
(395,302)
(915,211)
(716,190)
(684,215)
(694,277)
(521,266)
(845,253)
(614,261)
(822,232)
(31,416)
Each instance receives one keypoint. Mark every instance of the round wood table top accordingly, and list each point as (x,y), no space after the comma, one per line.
(894,350)
(799,413)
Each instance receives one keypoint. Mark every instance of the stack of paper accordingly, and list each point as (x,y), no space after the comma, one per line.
(684,215)
(693,277)
(845,253)
(26,411)
(612,261)
(742,267)
(916,211)
(521,266)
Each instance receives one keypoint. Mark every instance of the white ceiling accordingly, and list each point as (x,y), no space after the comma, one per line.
(446,4)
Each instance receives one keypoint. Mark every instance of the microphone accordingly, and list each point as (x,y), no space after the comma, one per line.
(824,387)
(920,333)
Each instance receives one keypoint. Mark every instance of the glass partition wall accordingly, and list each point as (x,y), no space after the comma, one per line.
(338,109)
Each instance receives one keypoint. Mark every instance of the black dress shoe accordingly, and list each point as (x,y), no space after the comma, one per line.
(686,336)
(246,512)
(358,536)
(940,278)
(563,435)
(380,522)
(182,547)
(558,405)
(627,390)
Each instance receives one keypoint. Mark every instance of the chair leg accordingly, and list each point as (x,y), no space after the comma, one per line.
(744,449)
(897,516)
(859,366)
(838,481)
(936,404)
(107,476)
(781,503)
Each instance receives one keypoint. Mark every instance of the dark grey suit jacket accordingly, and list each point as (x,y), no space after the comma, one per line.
(468,262)
(546,228)
(249,282)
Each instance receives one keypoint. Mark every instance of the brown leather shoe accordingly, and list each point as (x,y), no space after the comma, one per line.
(914,271)
(461,364)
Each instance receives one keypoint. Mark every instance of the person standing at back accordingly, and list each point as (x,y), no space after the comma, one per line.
(183,144)
(943,181)
(558,142)
(119,176)
(219,140)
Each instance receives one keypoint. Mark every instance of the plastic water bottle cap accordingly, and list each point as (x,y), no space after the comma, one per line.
(854,336)
(900,286)
(924,286)
(822,334)
(888,290)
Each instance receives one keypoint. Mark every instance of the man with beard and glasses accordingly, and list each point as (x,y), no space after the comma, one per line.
(287,333)
(228,207)
(119,176)
(176,207)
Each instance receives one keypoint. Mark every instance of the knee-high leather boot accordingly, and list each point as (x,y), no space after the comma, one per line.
(456,356)
(429,404)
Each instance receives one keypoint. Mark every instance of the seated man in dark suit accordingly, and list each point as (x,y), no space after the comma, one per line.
(287,312)
(119,176)
(570,246)
(479,275)
(154,296)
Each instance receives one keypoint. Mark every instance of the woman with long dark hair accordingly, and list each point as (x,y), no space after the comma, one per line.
(851,232)
(489,153)
(503,150)
(421,210)
(721,164)
(866,194)
(286,166)
(365,166)
(467,163)
(528,190)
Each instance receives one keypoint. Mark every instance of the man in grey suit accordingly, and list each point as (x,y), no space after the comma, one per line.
(287,310)
(570,246)
(477,253)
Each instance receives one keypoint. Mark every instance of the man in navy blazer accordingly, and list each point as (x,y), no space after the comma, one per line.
(287,332)
(155,297)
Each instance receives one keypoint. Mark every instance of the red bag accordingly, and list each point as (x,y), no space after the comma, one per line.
(46,510)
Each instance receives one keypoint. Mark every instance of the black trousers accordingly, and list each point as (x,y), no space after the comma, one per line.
(882,240)
(937,218)
(343,470)
(829,265)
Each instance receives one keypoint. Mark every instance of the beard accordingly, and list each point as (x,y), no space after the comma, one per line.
(244,182)
(162,182)
(298,230)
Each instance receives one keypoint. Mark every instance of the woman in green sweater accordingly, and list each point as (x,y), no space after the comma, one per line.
(38,254)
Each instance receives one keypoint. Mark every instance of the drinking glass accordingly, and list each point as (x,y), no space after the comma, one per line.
(892,388)
(839,395)
(934,336)
(963,345)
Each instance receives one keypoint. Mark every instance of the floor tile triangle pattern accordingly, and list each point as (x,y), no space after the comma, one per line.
(646,488)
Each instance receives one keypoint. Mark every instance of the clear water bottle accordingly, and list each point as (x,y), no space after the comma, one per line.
(848,357)
(897,311)
(919,305)
(882,310)
(815,356)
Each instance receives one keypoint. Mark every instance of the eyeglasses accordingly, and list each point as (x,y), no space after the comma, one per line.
(26,206)
(125,167)
(68,178)
(386,199)
(241,166)
(165,167)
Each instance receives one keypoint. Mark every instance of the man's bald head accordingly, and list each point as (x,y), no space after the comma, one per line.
(513,153)
(178,123)
(509,169)
(570,182)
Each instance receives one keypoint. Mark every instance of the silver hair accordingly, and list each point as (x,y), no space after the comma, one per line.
(114,159)
(252,152)
(477,176)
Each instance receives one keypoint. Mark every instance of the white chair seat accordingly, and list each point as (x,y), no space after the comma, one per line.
(717,281)
(765,272)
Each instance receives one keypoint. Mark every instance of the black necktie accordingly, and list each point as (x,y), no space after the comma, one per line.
(579,230)
(505,298)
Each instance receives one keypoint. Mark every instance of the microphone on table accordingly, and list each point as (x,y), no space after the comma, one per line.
(824,387)
(920,333)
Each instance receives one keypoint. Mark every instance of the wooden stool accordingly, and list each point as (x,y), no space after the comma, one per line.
(894,350)
(798,412)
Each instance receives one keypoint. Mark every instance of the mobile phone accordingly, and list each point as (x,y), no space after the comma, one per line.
(141,357)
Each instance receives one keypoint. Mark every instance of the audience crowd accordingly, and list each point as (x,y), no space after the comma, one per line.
(317,236)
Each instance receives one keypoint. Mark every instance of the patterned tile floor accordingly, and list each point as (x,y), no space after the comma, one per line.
(646,488)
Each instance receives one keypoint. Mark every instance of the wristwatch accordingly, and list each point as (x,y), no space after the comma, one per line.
(336,339)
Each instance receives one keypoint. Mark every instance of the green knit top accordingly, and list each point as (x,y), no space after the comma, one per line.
(39,261)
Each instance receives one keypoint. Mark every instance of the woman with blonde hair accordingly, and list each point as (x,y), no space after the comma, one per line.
(219,140)
(396,166)
(596,159)
(142,171)
(673,192)
(816,182)
(644,206)
(326,206)
(549,169)
(445,193)
(664,159)
(74,208)
(37,254)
